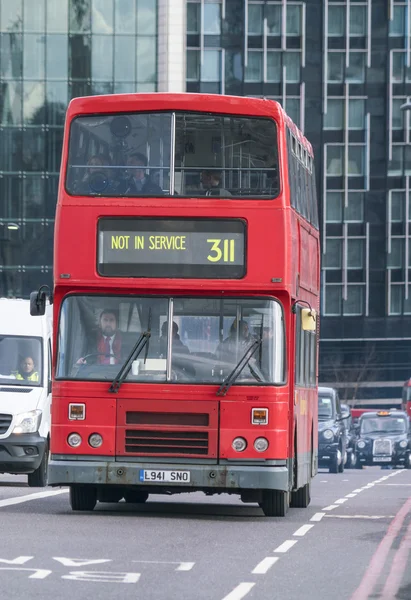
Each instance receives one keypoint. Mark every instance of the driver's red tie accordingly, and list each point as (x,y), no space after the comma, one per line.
(107,351)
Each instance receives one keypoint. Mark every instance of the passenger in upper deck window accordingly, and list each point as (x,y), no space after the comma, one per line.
(211,183)
(96,178)
(137,182)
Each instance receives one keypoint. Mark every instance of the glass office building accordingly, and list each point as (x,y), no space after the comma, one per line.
(50,52)
(342,70)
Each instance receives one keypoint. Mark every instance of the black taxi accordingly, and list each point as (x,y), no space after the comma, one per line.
(332,434)
(384,439)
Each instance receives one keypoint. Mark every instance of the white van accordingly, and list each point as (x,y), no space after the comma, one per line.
(25,390)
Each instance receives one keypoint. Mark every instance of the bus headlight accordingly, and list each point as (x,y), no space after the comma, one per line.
(261,444)
(95,440)
(328,434)
(28,422)
(361,444)
(74,440)
(403,444)
(239,444)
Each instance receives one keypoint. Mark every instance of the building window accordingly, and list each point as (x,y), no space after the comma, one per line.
(356,114)
(334,160)
(292,62)
(355,160)
(334,207)
(397,206)
(255,19)
(355,72)
(193,17)
(212,18)
(395,164)
(334,118)
(193,65)
(274,68)
(398,23)
(333,255)
(273,14)
(333,300)
(210,70)
(335,67)
(293,26)
(355,253)
(354,212)
(353,305)
(254,68)
(396,256)
(293,109)
(396,300)
(336,20)
(358,20)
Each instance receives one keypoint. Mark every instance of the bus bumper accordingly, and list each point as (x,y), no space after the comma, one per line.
(214,477)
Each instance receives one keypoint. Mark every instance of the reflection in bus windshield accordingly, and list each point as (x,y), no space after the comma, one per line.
(156,154)
(202,343)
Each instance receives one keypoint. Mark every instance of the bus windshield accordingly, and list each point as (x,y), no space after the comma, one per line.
(20,360)
(173,153)
(191,340)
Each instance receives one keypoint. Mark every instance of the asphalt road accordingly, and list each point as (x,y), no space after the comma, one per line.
(352,543)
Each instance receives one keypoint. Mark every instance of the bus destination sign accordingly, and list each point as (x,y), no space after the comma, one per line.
(171,248)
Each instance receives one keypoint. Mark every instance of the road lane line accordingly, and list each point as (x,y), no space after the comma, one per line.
(398,567)
(376,565)
(351,495)
(28,497)
(285,547)
(340,501)
(396,484)
(303,530)
(357,491)
(240,591)
(330,507)
(185,566)
(360,516)
(317,517)
(264,565)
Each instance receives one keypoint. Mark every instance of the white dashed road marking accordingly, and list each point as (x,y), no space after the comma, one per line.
(28,497)
(303,530)
(264,565)
(285,546)
(317,516)
(240,591)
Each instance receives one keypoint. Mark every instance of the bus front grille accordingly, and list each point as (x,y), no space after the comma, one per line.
(5,421)
(143,441)
(382,447)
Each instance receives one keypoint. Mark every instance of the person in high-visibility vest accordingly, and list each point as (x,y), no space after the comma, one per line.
(27,371)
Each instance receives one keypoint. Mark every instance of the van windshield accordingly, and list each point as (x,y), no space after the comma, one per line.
(20,361)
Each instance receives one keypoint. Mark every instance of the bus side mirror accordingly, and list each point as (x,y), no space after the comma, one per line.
(308,319)
(38,301)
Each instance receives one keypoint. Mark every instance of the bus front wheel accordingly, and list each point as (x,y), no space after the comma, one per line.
(275,503)
(83,497)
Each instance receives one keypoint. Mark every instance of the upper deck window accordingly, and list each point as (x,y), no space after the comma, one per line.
(164,154)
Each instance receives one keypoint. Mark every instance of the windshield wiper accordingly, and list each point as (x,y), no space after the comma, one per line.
(142,342)
(242,363)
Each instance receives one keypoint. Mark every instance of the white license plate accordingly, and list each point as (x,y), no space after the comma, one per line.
(150,476)
(382,459)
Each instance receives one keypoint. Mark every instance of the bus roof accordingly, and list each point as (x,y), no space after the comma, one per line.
(162,101)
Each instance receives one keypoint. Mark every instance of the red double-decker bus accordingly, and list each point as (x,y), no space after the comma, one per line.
(186,290)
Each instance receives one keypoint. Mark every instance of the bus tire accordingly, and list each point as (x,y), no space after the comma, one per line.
(135,497)
(83,497)
(39,477)
(301,498)
(275,503)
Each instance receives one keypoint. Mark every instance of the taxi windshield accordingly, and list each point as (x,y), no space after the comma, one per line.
(20,361)
(385,425)
(189,340)
(325,408)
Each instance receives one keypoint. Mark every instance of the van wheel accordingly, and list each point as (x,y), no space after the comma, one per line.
(135,497)
(83,497)
(301,498)
(275,503)
(39,477)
